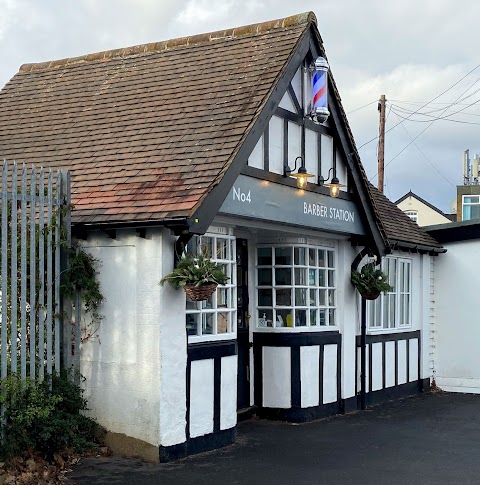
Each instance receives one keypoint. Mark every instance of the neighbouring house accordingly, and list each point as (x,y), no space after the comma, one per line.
(421,211)
(194,142)
(456,330)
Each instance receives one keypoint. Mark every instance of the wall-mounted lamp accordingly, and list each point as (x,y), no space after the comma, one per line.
(334,184)
(302,175)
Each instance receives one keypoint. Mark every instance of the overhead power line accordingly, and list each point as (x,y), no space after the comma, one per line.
(361,107)
(424,105)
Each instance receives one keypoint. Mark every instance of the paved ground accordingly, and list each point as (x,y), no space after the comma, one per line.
(431,439)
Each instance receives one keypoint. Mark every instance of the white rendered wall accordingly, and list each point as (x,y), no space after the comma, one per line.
(309,375)
(330,373)
(348,317)
(228,392)
(457,328)
(277,389)
(201,397)
(130,380)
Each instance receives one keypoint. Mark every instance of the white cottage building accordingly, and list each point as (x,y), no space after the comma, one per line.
(192,142)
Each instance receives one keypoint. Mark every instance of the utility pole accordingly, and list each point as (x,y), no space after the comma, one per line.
(381,143)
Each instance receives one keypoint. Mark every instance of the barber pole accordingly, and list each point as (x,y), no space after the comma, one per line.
(320,113)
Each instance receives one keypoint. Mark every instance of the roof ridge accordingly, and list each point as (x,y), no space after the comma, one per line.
(198,39)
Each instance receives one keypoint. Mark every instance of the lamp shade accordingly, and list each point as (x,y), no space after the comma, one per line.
(302,177)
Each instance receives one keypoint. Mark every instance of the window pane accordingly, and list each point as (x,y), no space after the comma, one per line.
(283,256)
(265,297)
(407,310)
(300,318)
(301,276)
(392,299)
(283,297)
(322,262)
(284,318)
(312,260)
(407,277)
(222,322)
(331,316)
(322,277)
(207,323)
(313,317)
(264,256)
(208,303)
(264,276)
(192,323)
(192,305)
(392,271)
(323,297)
(330,259)
(283,276)
(323,317)
(331,297)
(331,278)
(313,297)
(300,256)
(206,246)
(222,297)
(312,277)
(222,249)
(300,297)
(265,318)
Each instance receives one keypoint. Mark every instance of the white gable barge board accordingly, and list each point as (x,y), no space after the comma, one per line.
(259,199)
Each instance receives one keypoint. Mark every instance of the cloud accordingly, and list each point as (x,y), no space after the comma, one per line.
(410,51)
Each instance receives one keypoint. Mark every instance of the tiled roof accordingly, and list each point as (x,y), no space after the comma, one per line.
(146,131)
(398,227)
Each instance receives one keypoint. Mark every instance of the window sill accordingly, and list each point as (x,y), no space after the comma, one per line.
(382,331)
(194,339)
(333,328)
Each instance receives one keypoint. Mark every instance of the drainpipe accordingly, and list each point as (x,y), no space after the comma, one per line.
(363,334)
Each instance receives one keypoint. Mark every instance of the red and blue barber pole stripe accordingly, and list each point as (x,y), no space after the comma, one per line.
(320,111)
(319,89)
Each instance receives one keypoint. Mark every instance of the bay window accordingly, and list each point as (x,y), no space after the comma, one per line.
(216,317)
(295,286)
(392,310)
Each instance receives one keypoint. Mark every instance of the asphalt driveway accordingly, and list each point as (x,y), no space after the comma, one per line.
(431,439)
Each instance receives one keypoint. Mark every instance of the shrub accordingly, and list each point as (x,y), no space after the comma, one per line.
(44,417)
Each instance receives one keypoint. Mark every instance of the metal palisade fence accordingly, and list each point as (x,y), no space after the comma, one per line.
(36,325)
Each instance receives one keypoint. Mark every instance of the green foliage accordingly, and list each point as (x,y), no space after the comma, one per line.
(81,275)
(370,279)
(44,417)
(195,270)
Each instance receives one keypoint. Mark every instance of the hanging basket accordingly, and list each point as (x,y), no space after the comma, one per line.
(370,295)
(200,293)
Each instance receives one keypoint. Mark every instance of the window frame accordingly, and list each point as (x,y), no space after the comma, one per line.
(200,308)
(413,215)
(398,295)
(469,204)
(330,291)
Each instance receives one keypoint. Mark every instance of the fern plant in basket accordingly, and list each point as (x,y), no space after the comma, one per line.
(198,275)
(370,281)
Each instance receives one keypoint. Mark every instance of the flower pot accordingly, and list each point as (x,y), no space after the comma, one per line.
(200,293)
(370,295)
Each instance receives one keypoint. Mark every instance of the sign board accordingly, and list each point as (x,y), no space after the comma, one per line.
(264,200)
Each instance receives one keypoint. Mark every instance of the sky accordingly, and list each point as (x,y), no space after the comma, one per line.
(413,51)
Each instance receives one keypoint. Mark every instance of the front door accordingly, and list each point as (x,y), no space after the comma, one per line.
(243,378)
